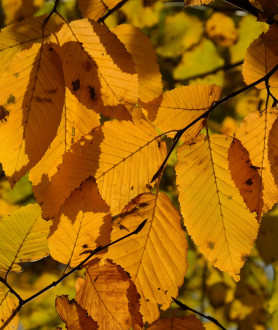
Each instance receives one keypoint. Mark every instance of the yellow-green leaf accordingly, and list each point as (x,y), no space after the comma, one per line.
(214,212)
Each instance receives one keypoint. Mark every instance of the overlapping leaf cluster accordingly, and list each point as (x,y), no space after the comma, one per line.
(80,108)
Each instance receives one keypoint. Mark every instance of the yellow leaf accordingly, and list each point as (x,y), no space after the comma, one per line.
(122,156)
(254,136)
(32,96)
(17,10)
(75,317)
(246,177)
(258,61)
(76,122)
(182,105)
(221,29)
(8,303)
(214,212)
(98,70)
(94,9)
(139,47)
(82,224)
(155,258)
(178,323)
(19,36)
(23,237)
(109,297)
(197,2)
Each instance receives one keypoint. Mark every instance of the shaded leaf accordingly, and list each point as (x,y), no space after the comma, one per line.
(254,135)
(32,94)
(267,8)
(122,156)
(28,241)
(94,9)
(82,224)
(109,297)
(155,258)
(273,150)
(178,323)
(8,303)
(214,212)
(98,69)
(76,122)
(75,317)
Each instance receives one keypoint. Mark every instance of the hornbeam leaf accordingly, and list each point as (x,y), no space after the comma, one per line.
(98,69)
(76,122)
(214,211)
(75,317)
(23,237)
(94,9)
(258,61)
(197,2)
(83,223)
(178,323)
(32,97)
(8,303)
(144,57)
(155,258)
(109,297)
(182,105)
(19,36)
(254,135)
(122,156)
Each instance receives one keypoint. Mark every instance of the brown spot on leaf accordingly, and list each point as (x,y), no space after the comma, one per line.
(52,91)
(211,245)
(50,49)
(131,188)
(43,99)
(249,182)
(3,113)
(87,66)
(92,93)
(85,246)
(75,84)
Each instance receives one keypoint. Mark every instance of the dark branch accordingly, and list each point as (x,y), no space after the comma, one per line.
(111,11)
(245,5)
(54,10)
(220,68)
(23,302)
(210,318)
(207,113)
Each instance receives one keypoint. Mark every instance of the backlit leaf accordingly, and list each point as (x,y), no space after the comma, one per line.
(28,241)
(180,106)
(178,323)
(32,96)
(155,258)
(8,303)
(94,9)
(75,317)
(122,156)
(83,223)
(197,2)
(254,136)
(76,122)
(214,212)
(98,69)
(109,297)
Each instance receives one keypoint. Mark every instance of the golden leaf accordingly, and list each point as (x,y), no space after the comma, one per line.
(98,70)
(254,136)
(259,60)
(32,97)
(109,297)
(75,317)
(178,323)
(82,224)
(182,105)
(155,258)
(122,156)
(76,122)
(221,29)
(23,237)
(144,57)
(8,303)
(214,212)
(17,10)
(94,9)
(197,2)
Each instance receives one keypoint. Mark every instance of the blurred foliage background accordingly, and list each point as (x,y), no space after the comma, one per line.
(201,45)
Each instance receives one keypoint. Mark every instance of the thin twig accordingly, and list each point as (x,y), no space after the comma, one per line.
(245,5)
(207,113)
(54,10)
(111,11)
(220,68)
(210,318)
(23,302)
